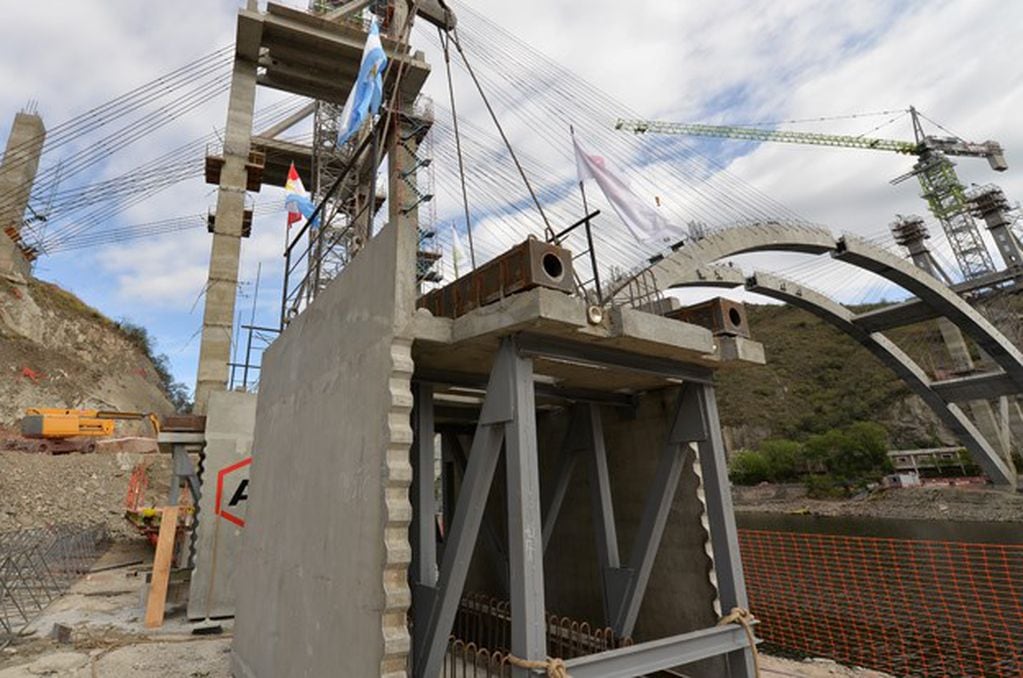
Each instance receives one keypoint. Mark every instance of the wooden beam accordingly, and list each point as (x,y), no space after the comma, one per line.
(161,567)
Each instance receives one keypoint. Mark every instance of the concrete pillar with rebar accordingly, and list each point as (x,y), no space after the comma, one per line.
(17,175)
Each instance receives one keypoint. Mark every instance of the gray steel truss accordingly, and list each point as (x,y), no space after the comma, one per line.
(507,420)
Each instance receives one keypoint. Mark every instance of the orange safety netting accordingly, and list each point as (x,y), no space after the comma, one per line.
(907,607)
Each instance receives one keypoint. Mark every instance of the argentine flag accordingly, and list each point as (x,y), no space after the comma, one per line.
(368,92)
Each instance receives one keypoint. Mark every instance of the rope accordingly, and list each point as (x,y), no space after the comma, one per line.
(555,668)
(745,619)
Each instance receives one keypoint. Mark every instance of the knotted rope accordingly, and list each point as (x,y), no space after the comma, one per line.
(555,668)
(745,619)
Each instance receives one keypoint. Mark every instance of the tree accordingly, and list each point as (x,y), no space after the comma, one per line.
(175,391)
(749,467)
(854,455)
(784,459)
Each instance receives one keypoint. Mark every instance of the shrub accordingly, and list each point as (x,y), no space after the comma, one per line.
(784,459)
(825,486)
(175,391)
(749,467)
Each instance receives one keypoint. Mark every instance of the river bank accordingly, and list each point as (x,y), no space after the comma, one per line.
(915,503)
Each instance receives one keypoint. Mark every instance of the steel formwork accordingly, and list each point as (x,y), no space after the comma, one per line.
(37,566)
(506,427)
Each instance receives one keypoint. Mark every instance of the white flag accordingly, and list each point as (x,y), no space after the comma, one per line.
(456,249)
(644,221)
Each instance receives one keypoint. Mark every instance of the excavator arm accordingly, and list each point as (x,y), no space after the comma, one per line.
(48,422)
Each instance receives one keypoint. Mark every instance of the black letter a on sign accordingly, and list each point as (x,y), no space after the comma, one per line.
(240,494)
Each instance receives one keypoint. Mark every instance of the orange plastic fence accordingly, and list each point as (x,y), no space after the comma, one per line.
(907,607)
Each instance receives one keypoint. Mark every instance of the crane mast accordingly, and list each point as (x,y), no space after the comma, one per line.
(941,188)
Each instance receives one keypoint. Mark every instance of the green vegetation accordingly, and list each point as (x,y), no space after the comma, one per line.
(834,463)
(48,294)
(176,392)
(817,379)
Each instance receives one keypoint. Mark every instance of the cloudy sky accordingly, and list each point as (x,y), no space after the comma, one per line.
(724,62)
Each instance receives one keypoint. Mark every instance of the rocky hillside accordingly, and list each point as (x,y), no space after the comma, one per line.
(817,378)
(56,351)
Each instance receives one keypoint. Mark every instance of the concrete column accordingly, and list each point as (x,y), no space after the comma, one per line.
(222,284)
(401,154)
(981,411)
(17,175)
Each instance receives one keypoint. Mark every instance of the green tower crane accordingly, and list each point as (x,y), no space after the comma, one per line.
(945,194)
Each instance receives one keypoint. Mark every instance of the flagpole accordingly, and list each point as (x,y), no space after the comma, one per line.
(589,233)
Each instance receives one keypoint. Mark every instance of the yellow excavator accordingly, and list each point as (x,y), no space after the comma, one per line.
(59,431)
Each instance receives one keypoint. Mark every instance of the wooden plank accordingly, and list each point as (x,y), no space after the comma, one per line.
(161,567)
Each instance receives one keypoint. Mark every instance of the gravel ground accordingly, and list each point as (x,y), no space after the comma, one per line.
(41,489)
(916,503)
(105,610)
(810,668)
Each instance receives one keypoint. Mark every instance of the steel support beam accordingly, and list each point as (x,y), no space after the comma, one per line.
(447,480)
(602,356)
(724,536)
(525,532)
(567,461)
(658,655)
(469,380)
(605,532)
(499,409)
(491,531)
(423,573)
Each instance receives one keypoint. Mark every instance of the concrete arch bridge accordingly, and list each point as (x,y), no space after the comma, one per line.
(990,397)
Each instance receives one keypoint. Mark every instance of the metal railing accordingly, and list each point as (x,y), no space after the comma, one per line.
(39,565)
(320,240)
(245,373)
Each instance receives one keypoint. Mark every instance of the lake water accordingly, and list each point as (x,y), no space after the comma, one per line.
(897,528)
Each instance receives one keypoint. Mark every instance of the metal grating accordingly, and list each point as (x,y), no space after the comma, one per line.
(39,565)
(481,638)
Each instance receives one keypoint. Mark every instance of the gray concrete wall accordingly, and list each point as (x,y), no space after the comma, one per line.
(679,596)
(322,588)
(17,174)
(230,424)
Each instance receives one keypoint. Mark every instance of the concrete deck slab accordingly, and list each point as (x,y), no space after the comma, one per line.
(468,343)
(308,55)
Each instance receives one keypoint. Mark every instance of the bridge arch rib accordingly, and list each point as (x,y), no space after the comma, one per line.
(896,360)
(693,265)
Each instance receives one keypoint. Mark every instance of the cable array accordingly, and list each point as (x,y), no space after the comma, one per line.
(143,110)
(536,93)
(67,221)
(150,229)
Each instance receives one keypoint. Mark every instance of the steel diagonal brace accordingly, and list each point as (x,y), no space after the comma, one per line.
(430,640)
(688,425)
